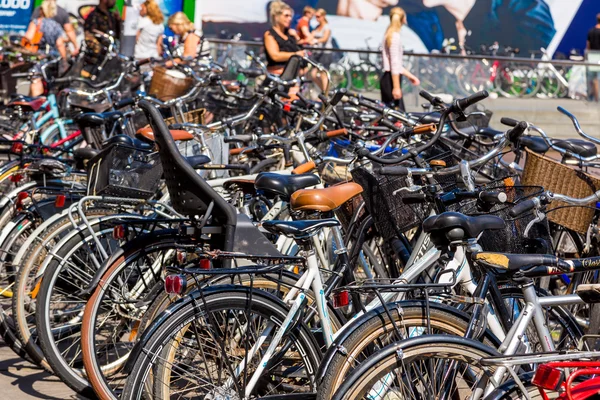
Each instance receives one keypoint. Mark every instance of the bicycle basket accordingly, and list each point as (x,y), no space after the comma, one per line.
(390,214)
(512,238)
(124,171)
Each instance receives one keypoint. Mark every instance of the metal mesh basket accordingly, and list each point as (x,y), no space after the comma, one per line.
(391,215)
(124,171)
(512,239)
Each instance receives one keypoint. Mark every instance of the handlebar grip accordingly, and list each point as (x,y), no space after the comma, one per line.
(492,197)
(237,150)
(509,121)
(522,207)
(396,170)
(462,104)
(304,168)
(425,128)
(283,94)
(20,75)
(125,102)
(372,106)
(238,138)
(515,133)
(337,132)
(413,198)
(337,97)
(427,96)
(143,61)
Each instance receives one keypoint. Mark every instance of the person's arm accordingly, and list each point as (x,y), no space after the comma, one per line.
(342,8)
(272,48)
(30,31)
(190,46)
(308,37)
(159,45)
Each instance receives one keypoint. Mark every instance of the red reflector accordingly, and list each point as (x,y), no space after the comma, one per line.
(341,299)
(547,377)
(119,232)
(287,107)
(175,284)
(204,264)
(17,148)
(59,202)
(20,197)
(16,178)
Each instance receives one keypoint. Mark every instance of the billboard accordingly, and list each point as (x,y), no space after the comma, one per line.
(15,15)
(524,24)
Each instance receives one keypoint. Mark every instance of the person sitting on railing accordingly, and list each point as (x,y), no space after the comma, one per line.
(281,42)
(392,53)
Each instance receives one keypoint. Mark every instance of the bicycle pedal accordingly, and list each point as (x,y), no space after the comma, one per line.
(590,293)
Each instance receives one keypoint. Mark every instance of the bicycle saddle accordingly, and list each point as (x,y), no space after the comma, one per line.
(146,135)
(425,117)
(126,140)
(581,147)
(534,143)
(89,120)
(198,160)
(28,105)
(299,229)
(452,226)
(515,262)
(284,185)
(251,72)
(324,200)
(48,166)
(85,153)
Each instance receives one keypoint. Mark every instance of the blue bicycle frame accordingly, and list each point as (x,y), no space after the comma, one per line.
(51,111)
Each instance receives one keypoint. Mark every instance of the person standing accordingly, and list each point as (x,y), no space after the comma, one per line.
(150,29)
(62,17)
(303,26)
(593,45)
(102,19)
(191,42)
(392,53)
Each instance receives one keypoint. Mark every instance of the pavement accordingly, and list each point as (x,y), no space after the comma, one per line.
(21,380)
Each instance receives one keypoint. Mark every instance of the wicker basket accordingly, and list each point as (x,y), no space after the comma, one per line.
(168,84)
(193,117)
(560,178)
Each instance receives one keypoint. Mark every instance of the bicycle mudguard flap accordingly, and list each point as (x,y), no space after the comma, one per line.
(590,293)
(249,240)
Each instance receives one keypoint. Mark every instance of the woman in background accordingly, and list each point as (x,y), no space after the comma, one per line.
(392,53)
(150,29)
(322,40)
(281,42)
(190,39)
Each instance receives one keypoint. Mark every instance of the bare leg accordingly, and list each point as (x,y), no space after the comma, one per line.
(596,89)
(62,48)
(36,88)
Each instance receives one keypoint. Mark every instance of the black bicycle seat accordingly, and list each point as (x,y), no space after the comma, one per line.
(198,160)
(284,185)
(85,153)
(89,120)
(299,229)
(534,143)
(126,140)
(48,166)
(452,226)
(581,147)
(515,262)
(425,117)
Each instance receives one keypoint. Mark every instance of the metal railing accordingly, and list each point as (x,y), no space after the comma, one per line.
(453,74)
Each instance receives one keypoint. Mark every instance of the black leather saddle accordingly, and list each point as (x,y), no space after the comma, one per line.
(534,143)
(283,185)
(98,119)
(581,147)
(299,229)
(452,226)
(129,141)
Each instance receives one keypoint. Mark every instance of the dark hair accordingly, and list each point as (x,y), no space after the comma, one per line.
(598,17)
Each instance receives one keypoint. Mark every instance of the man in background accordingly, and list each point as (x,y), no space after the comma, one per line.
(303,26)
(100,20)
(62,17)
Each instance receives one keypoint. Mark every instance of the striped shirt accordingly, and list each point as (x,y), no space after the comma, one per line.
(392,55)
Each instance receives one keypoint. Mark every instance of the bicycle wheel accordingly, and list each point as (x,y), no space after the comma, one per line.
(60,303)
(376,329)
(429,367)
(29,279)
(202,339)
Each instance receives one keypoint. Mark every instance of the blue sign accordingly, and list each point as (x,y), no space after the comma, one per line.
(15,15)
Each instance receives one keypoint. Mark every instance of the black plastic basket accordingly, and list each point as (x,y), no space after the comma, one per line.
(124,171)
(512,239)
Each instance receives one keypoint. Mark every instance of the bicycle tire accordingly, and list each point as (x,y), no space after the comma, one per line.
(212,300)
(407,354)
